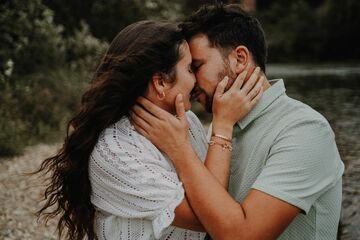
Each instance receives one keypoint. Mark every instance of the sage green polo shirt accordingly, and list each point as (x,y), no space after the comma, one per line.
(286,149)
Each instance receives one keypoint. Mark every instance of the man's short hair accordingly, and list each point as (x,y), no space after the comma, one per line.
(228,26)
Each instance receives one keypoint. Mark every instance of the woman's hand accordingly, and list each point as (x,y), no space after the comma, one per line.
(168,133)
(231,106)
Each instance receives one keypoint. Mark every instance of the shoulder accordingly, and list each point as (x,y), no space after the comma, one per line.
(298,117)
(306,138)
(123,141)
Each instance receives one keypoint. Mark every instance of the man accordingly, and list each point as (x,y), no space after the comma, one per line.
(285,170)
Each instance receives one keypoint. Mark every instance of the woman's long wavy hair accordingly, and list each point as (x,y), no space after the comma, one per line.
(137,53)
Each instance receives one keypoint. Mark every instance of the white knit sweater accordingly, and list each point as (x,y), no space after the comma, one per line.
(135,188)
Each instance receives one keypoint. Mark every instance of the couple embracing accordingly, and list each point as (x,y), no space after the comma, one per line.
(137,164)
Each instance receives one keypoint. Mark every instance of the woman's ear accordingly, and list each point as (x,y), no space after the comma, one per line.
(242,57)
(159,84)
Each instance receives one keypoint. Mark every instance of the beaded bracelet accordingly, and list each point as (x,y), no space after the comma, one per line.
(225,146)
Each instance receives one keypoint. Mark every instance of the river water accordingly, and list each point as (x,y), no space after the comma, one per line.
(334,91)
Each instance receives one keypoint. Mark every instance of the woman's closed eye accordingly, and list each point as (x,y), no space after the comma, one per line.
(190,69)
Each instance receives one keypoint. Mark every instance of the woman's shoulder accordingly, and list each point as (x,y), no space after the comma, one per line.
(122,139)
(121,145)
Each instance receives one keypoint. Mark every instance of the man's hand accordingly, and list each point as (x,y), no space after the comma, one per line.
(231,106)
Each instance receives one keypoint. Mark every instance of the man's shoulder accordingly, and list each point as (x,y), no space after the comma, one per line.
(295,112)
(292,117)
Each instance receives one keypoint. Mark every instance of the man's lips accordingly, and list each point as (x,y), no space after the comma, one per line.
(195,93)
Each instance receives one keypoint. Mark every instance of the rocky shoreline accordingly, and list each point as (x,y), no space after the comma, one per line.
(20,196)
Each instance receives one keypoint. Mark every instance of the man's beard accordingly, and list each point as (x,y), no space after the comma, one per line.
(225,72)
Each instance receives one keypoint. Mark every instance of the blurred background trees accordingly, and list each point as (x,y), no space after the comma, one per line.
(49,48)
(311,30)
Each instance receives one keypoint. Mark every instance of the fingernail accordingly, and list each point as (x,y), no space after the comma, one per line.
(180,97)
(226,78)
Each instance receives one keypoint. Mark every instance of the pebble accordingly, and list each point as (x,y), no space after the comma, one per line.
(20,196)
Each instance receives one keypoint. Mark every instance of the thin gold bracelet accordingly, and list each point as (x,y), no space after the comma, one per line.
(222,137)
(225,146)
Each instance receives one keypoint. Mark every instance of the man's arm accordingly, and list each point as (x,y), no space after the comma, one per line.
(260,216)
(310,165)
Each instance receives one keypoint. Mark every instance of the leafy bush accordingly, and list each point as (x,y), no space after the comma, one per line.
(83,49)
(41,74)
(38,111)
(29,38)
(107,18)
(304,30)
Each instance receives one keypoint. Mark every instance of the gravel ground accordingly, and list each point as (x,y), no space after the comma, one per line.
(20,196)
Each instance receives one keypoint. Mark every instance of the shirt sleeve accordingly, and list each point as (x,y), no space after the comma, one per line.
(302,164)
(132,179)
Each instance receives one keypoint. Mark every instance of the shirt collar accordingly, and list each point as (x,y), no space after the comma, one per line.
(270,95)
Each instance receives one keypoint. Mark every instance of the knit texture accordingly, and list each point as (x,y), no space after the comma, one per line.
(135,188)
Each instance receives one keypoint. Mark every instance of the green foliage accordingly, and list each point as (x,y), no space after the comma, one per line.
(29,39)
(82,49)
(41,73)
(38,110)
(303,30)
(107,18)
(341,24)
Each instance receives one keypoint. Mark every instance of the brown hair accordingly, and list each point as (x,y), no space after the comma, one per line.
(137,52)
(228,26)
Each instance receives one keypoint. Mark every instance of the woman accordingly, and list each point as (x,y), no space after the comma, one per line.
(108,181)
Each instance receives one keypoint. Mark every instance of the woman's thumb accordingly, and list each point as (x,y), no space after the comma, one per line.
(180,107)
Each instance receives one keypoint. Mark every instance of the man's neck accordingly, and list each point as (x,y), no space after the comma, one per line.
(266,84)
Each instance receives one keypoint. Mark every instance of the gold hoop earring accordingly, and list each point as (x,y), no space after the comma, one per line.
(161,97)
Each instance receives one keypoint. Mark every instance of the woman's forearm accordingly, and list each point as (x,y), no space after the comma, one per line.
(217,162)
(218,159)
(212,204)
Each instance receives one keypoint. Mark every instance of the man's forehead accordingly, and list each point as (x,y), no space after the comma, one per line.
(199,46)
(199,41)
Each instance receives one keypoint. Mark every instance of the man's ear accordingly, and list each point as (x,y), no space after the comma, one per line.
(242,57)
